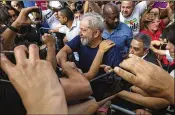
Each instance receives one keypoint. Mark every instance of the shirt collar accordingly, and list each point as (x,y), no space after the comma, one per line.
(74,24)
(145,55)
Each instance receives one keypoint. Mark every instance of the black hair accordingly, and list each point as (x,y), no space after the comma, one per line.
(144,38)
(67,12)
(170,33)
(4,14)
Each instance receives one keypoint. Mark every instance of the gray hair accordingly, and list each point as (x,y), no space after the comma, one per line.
(95,20)
(144,38)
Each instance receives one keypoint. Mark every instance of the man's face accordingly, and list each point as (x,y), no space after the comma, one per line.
(13,15)
(61,18)
(86,34)
(137,48)
(111,19)
(127,8)
(171,49)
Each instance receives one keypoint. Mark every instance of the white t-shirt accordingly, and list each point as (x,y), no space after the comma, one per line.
(134,20)
(71,33)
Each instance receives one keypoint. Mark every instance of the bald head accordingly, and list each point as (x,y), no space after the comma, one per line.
(110,8)
(111,15)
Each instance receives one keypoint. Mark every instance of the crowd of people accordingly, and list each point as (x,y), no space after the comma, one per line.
(51,51)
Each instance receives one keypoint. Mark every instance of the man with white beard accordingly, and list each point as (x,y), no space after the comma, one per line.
(89,46)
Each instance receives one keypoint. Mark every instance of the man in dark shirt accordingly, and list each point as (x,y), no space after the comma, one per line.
(87,44)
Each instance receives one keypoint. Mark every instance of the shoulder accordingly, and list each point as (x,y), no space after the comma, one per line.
(124,26)
(125,29)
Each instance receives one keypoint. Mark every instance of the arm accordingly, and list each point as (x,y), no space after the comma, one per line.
(40,90)
(76,86)
(149,102)
(86,7)
(50,43)
(146,76)
(62,55)
(21,20)
(95,7)
(157,51)
(88,107)
(168,18)
(104,46)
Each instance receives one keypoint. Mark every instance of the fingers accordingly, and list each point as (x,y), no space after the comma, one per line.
(5,64)
(106,68)
(131,78)
(139,91)
(48,39)
(130,63)
(103,66)
(33,52)
(20,54)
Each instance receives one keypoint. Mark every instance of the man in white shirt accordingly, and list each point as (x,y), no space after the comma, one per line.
(71,26)
(130,14)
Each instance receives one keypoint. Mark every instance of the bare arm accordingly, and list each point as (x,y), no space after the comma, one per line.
(168,18)
(95,7)
(9,36)
(76,86)
(22,19)
(149,102)
(104,46)
(50,43)
(86,7)
(88,107)
(62,55)
(157,51)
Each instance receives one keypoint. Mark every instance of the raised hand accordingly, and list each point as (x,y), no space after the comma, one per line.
(147,76)
(36,82)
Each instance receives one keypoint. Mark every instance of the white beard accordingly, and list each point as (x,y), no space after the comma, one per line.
(84,41)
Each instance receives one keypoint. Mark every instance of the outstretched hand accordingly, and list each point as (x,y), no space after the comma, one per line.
(36,82)
(147,76)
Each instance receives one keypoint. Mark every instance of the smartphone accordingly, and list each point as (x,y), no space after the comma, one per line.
(38,15)
(160,5)
(106,85)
